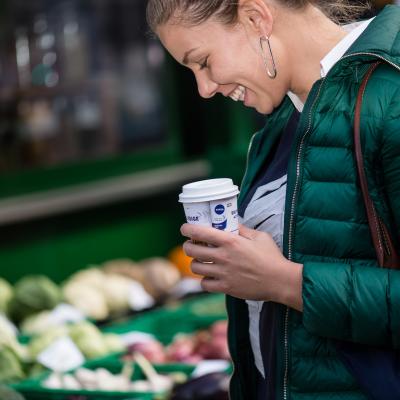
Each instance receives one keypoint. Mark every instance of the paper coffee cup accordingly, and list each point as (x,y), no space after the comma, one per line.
(212,202)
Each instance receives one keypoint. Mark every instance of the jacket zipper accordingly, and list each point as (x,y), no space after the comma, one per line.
(291,219)
(247,158)
(286,324)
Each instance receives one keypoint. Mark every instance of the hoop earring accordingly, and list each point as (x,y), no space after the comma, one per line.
(274,72)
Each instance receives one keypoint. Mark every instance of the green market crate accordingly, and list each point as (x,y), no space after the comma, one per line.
(183,317)
(32,389)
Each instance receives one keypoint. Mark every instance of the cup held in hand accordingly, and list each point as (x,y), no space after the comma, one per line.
(212,202)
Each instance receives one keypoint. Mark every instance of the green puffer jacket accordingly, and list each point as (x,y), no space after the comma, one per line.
(346,295)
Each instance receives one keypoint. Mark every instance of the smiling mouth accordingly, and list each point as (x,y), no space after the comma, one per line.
(238,94)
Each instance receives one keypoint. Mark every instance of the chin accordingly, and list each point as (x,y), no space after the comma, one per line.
(264,109)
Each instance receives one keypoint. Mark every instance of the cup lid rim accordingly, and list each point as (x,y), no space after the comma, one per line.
(208,190)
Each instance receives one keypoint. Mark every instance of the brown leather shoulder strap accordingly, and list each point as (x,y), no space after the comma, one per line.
(386,252)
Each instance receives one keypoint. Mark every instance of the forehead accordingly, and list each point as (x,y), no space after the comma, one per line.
(179,38)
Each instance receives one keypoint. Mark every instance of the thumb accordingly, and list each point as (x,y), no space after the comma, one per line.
(247,232)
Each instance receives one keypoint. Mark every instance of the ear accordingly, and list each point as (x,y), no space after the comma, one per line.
(256,16)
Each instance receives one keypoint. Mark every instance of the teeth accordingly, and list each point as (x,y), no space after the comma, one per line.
(238,93)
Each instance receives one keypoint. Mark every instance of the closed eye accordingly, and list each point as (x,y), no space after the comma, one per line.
(204,64)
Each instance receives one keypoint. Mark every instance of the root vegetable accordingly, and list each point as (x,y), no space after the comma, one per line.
(219,328)
(54,381)
(141,386)
(71,383)
(124,267)
(87,378)
(152,350)
(159,383)
(160,276)
(180,349)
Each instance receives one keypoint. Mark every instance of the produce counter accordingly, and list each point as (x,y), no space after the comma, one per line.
(165,352)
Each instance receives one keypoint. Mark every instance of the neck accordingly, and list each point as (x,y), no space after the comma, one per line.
(310,35)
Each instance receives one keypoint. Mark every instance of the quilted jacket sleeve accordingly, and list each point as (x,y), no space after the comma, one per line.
(354,302)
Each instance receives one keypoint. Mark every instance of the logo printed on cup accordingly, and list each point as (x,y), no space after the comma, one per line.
(220,209)
(221,226)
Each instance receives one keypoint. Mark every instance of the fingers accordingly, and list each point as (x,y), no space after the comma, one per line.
(212,285)
(214,236)
(205,234)
(209,270)
(200,252)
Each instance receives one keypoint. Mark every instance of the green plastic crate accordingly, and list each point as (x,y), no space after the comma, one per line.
(183,317)
(32,389)
(186,316)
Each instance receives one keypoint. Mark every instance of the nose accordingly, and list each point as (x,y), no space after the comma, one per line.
(207,87)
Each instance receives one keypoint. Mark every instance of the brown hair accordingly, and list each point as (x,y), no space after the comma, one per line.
(196,11)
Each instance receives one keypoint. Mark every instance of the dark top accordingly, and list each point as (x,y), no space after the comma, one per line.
(274,168)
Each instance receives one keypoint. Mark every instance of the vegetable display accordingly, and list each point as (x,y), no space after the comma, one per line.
(8,394)
(12,354)
(41,341)
(101,379)
(6,293)
(124,267)
(37,323)
(86,298)
(86,379)
(187,348)
(100,292)
(47,316)
(10,366)
(156,274)
(97,294)
(87,337)
(33,294)
(91,342)
(160,276)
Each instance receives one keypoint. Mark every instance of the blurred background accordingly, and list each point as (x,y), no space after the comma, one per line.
(98,131)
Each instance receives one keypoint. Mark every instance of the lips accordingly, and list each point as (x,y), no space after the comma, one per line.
(238,93)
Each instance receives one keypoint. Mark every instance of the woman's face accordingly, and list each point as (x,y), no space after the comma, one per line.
(227,60)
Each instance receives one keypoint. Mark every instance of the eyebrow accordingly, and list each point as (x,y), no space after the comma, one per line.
(185,59)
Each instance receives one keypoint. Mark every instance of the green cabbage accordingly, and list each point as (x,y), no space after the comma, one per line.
(36,323)
(8,338)
(88,299)
(10,366)
(113,343)
(89,339)
(41,341)
(6,293)
(33,294)
(8,394)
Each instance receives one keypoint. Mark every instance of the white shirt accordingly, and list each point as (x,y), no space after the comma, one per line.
(271,209)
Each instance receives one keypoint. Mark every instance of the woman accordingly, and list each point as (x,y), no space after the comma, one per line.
(302,275)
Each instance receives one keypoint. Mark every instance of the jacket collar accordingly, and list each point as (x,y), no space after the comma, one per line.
(382,36)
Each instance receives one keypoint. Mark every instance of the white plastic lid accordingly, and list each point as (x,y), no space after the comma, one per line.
(207,190)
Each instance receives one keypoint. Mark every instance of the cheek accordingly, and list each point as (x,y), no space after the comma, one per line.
(221,75)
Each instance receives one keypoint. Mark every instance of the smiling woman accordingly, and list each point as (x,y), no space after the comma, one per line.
(225,40)
(300,274)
